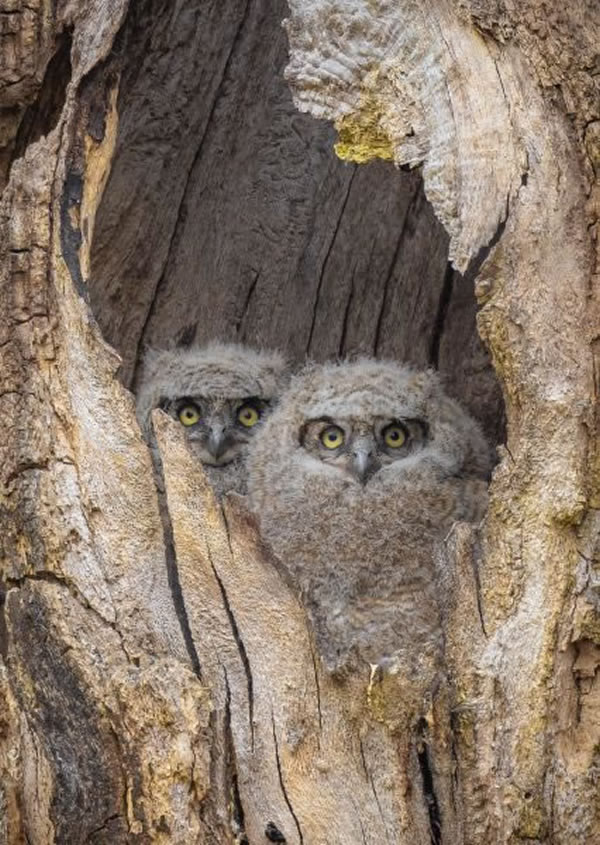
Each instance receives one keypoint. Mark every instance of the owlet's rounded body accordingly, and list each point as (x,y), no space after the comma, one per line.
(221,395)
(358,473)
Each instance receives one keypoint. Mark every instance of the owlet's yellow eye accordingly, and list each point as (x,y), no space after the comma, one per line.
(332,437)
(189,415)
(248,416)
(394,436)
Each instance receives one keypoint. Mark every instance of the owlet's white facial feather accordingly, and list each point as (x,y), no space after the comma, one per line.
(358,473)
(221,395)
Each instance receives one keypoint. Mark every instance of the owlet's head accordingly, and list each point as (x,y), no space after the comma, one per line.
(220,394)
(365,422)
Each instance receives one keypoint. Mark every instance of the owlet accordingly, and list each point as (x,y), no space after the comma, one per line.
(221,395)
(358,473)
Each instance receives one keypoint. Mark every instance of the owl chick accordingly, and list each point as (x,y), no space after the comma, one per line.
(358,473)
(221,394)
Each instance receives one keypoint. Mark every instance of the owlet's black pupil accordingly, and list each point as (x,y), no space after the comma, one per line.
(332,437)
(394,435)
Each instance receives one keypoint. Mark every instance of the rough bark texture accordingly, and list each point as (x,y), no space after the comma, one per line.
(158,681)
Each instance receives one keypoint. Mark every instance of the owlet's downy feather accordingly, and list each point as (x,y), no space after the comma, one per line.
(362,468)
(221,394)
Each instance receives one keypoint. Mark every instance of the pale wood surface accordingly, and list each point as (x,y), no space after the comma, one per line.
(156,696)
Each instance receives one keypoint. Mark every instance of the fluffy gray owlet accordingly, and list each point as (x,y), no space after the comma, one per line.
(221,394)
(356,475)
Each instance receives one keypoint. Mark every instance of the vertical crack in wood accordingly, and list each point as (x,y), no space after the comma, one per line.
(237,808)
(342,344)
(454,748)
(318,688)
(475,557)
(433,810)
(182,204)
(440,317)
(326,259)
(171,564)
(244,310)
(3,628)
(477,262)
(373,790)
(236,635)
(282,785)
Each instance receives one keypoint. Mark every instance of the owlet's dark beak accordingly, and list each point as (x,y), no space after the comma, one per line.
(216,443)
(364,459)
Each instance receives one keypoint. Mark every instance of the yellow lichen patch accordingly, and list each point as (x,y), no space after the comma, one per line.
(397,692)
(532,822)
(589,627)
(361,136)
(375,699)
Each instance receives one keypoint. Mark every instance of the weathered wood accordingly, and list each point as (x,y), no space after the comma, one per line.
(22,73)
(319,758)
(473,100)
(105,726)
(160,691)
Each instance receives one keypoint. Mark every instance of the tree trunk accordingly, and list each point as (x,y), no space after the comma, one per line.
(159,682)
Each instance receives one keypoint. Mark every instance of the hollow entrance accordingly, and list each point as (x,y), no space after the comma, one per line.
(227,215)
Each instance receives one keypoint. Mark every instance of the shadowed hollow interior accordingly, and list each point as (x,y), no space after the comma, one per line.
(227,215)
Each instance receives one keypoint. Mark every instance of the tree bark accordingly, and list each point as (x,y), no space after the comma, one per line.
(159,682)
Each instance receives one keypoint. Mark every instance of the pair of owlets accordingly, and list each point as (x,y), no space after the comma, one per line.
(355,471)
